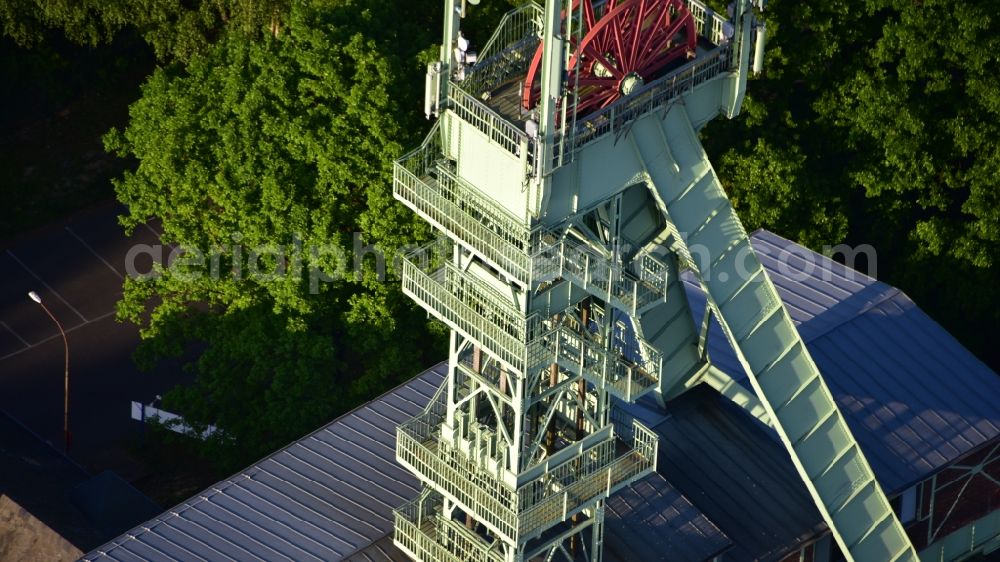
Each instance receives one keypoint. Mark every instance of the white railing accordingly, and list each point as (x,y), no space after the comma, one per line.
(596,473)
(469,305)
(708,23)
(508,52)
(425,185)
(517,24)
(602,275)
(501,131)
(610,370)
(529,254)
(656,94)
(421,531)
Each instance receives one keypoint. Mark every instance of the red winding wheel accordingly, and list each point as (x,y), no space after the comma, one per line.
(629,44)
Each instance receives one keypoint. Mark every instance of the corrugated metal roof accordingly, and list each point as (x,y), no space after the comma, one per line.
(726,462)
(382,550)
(651,520)
(330,496)
(913,396)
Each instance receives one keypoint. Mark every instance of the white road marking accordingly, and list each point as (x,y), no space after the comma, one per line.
(151,229)
(96,255)
(55,336)
(46,285)
(11,330)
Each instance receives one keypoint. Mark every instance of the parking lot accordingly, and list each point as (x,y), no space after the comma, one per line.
(77,266)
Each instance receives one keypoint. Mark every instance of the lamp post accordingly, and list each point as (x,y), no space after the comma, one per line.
(34,296)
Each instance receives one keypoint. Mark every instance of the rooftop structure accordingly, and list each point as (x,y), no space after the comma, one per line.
(567,180)
(587,256)
(331,495)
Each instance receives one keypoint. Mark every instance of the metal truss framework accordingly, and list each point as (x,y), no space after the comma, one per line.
(563,232)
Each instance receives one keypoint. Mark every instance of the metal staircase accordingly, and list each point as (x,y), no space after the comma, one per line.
(767,344)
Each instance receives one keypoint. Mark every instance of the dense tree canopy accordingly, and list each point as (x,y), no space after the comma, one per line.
(176,29)
(272,125)
(281,146)
(876,122)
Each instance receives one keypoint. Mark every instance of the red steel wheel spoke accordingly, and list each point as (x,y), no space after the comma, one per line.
(602,82)
(653,36)
(619,51)
(644,61)
(634,50)
(589,51)
(625,44)
(588,14)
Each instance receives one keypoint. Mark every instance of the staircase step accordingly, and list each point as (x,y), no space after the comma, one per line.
(804,410)
(765,338)
(696,196)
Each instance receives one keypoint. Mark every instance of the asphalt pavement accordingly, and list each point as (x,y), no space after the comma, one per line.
(77,266)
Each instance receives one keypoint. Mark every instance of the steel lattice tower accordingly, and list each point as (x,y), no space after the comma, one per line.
(565,175)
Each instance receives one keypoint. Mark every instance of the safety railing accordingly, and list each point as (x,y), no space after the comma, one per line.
(501,131)
(508,52)
(530,254)
(512,229)
(652,270)
(643,440)
(611,370)
(708,23)
(484,78)
(604,276)
(656,94)
(427,187)
(417,445)
(596,473)
(422,532)
(517,24)
(468,305)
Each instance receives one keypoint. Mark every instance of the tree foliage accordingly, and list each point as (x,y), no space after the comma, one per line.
(281,146)
(876,121)
(273,124)
(175,29)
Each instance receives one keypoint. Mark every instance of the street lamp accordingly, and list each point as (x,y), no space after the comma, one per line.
(34,296)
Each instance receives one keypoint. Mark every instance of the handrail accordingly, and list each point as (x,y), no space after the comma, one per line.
(598,471)
(508,52)
(443,541)
(495,126)
(621,376)
(514,26)
(473,308)
(613,118)
(699,11)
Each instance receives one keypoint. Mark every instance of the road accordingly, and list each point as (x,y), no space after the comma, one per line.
(77,266)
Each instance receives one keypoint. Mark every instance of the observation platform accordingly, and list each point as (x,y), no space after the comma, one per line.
(506,98)
(489,94)
(607,460)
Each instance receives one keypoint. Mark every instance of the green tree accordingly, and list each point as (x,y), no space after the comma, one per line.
(174,29)
(281,143)
(876,122)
